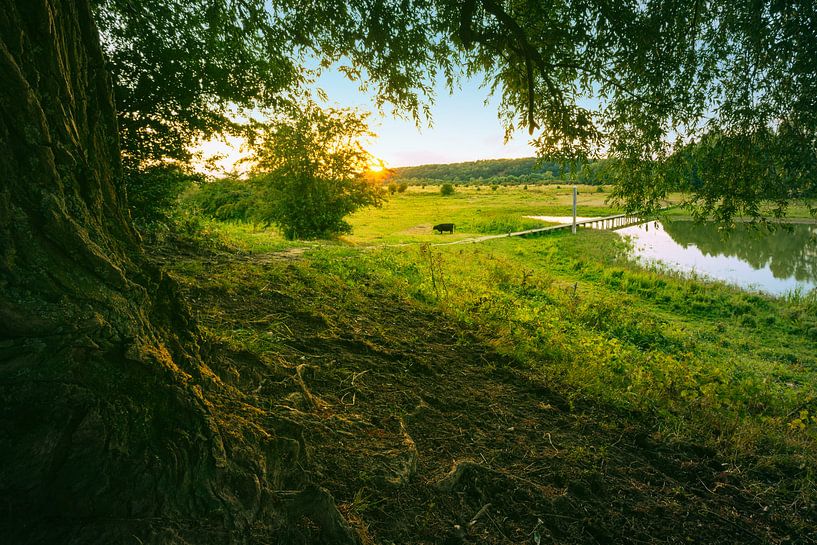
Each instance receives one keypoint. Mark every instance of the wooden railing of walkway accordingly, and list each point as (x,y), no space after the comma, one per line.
(607,222)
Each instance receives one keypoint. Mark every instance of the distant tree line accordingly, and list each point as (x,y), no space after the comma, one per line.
(528,170)
(462,172)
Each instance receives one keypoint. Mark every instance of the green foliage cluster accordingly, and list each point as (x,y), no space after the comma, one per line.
(734,76)
(446,189)
(596,173)
(476,170)
(309,176)
(311,208)
(756,162)
(397,188)
(226,200)
(311,172)
(506,172)
(153,192)
(181,67)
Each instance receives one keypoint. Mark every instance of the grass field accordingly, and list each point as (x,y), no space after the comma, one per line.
(706,359)
(409,216)
(695,366)
(702,361)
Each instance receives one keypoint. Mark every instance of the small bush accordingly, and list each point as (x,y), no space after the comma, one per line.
(153,192)
(308,172)
(402,187)
(446,190)
(392,189)
(225,200)
(494,187)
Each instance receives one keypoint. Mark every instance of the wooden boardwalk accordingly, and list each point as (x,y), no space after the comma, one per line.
(607,222)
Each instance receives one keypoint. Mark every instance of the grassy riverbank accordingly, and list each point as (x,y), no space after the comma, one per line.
(705,360)
(635,372)
(702,361)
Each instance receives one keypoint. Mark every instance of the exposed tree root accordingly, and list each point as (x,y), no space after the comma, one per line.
(318,505)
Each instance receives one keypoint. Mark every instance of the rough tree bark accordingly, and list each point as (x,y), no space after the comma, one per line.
(111,427)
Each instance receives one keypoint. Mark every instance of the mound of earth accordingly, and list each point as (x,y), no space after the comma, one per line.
(409,428)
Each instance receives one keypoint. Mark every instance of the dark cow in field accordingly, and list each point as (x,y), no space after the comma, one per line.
(444,228)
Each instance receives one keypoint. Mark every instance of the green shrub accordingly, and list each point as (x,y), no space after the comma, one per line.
(226,200)
(446,190)
(309,166)
(153,192)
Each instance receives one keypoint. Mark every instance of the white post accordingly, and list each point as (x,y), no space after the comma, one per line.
(574,209)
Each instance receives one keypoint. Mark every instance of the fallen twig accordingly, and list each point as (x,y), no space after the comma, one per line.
(481,512)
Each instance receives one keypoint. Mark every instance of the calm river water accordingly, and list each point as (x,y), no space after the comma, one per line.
(778,261)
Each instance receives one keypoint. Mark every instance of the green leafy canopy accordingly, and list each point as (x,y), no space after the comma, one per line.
(634,81)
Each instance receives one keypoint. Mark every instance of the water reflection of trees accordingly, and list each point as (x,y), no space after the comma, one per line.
(790,251)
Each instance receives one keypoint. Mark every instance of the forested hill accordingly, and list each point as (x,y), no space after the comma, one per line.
(473,170)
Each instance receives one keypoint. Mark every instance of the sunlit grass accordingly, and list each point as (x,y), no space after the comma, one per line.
(701,361)
(410,216)
(693,360)
(244,237)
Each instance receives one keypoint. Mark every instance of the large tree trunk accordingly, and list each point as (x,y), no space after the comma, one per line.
(110,425)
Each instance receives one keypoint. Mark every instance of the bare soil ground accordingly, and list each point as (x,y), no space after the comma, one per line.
(424,434)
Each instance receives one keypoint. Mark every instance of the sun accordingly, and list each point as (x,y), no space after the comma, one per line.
(377,165)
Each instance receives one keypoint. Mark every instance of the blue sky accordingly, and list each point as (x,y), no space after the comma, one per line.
(464,128)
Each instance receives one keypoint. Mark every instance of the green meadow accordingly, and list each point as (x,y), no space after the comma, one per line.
(689,360)
(409,216)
